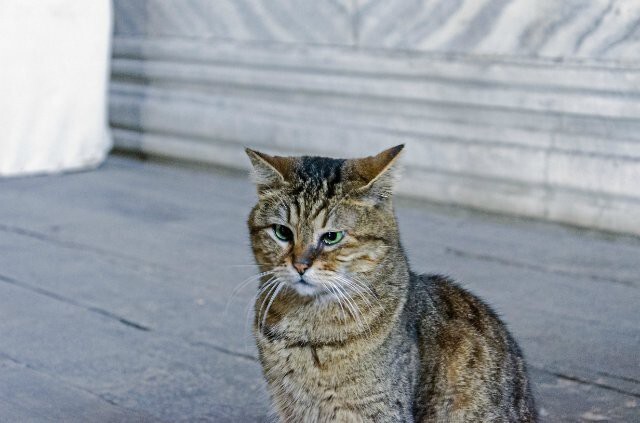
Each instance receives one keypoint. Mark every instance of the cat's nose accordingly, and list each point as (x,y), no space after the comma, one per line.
(301,266)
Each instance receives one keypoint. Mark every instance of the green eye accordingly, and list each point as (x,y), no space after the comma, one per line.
(282,233)
(332,238)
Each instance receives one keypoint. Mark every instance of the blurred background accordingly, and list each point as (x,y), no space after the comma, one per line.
(526,107)
(126,276)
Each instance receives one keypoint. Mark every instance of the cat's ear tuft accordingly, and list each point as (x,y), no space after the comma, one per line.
(376,175)
(269,171)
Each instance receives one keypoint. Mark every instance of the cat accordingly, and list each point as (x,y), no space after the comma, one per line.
(345,330)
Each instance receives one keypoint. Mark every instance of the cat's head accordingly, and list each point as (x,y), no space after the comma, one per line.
(323,226)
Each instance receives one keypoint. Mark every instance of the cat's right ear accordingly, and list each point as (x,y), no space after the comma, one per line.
(269,172)
(374,176)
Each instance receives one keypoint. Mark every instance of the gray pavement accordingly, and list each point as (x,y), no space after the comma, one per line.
(116,298)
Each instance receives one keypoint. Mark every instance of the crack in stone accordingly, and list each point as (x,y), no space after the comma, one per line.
(131,262)
(625,378)
(7,357)
(583,381)
(224,350)
(66,300)
(79,246)
(531,266)
(113,316)
(591,383)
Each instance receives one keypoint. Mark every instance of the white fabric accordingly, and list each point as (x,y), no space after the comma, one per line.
(54,64)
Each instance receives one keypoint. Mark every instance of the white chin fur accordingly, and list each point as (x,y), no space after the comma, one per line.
(306,289)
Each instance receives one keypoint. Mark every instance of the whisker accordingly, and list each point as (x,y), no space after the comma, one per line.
(250,263)
(356,287)
(251,279)
(333,289)
(274,285)
(273,297)
(359,288)
(329,287)
(245,265)
(268,284)
(367,304)
(364,284)
(356,309)
(236,290)
(340,294)
(252,304)
(351,306)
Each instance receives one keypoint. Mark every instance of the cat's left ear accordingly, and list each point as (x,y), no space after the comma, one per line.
(375,175)
(269,172)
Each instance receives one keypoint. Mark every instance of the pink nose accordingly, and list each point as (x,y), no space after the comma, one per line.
(301,267)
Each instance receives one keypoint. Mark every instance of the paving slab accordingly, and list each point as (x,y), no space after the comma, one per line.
(27,395)
(121,297)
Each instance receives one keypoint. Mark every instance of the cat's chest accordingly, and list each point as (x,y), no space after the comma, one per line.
(316,369)
(329,384)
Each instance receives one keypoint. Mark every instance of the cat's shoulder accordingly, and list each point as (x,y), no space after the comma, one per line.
(451,300)
(436,284)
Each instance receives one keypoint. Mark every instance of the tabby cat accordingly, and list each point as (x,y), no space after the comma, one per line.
(345,331)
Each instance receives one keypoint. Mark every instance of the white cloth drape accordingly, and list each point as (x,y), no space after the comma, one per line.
(54,68)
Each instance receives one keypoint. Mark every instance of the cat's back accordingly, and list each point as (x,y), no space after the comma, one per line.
(445,302)
(471,367)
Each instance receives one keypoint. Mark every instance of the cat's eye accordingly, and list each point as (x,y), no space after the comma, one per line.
(332,238)
(282,233)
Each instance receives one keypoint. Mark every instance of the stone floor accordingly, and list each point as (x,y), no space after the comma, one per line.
(116,298)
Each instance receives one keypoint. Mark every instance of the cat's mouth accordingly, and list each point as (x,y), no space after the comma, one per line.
(304,287)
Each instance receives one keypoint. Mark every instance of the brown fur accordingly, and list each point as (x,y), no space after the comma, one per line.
(357,336)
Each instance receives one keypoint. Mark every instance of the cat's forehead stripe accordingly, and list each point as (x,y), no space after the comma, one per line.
(320,170)
(307,201)
(283,212)
(293,214)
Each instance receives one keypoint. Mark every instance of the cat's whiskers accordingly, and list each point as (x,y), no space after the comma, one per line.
(335,283)
(268,286)
(329,286)
(364,284)
(353,300)
(280,285)
(356,287)
(338,297)
(363,291)
(247,265)
(348,303)
(355,309)
(269,283)
(250,279)
(273,285)
(251,305)
(352,308)
(236,290)
(339,300)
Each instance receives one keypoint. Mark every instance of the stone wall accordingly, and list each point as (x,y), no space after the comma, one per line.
(527,107)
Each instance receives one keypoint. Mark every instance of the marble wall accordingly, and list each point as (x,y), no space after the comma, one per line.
(528,107)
